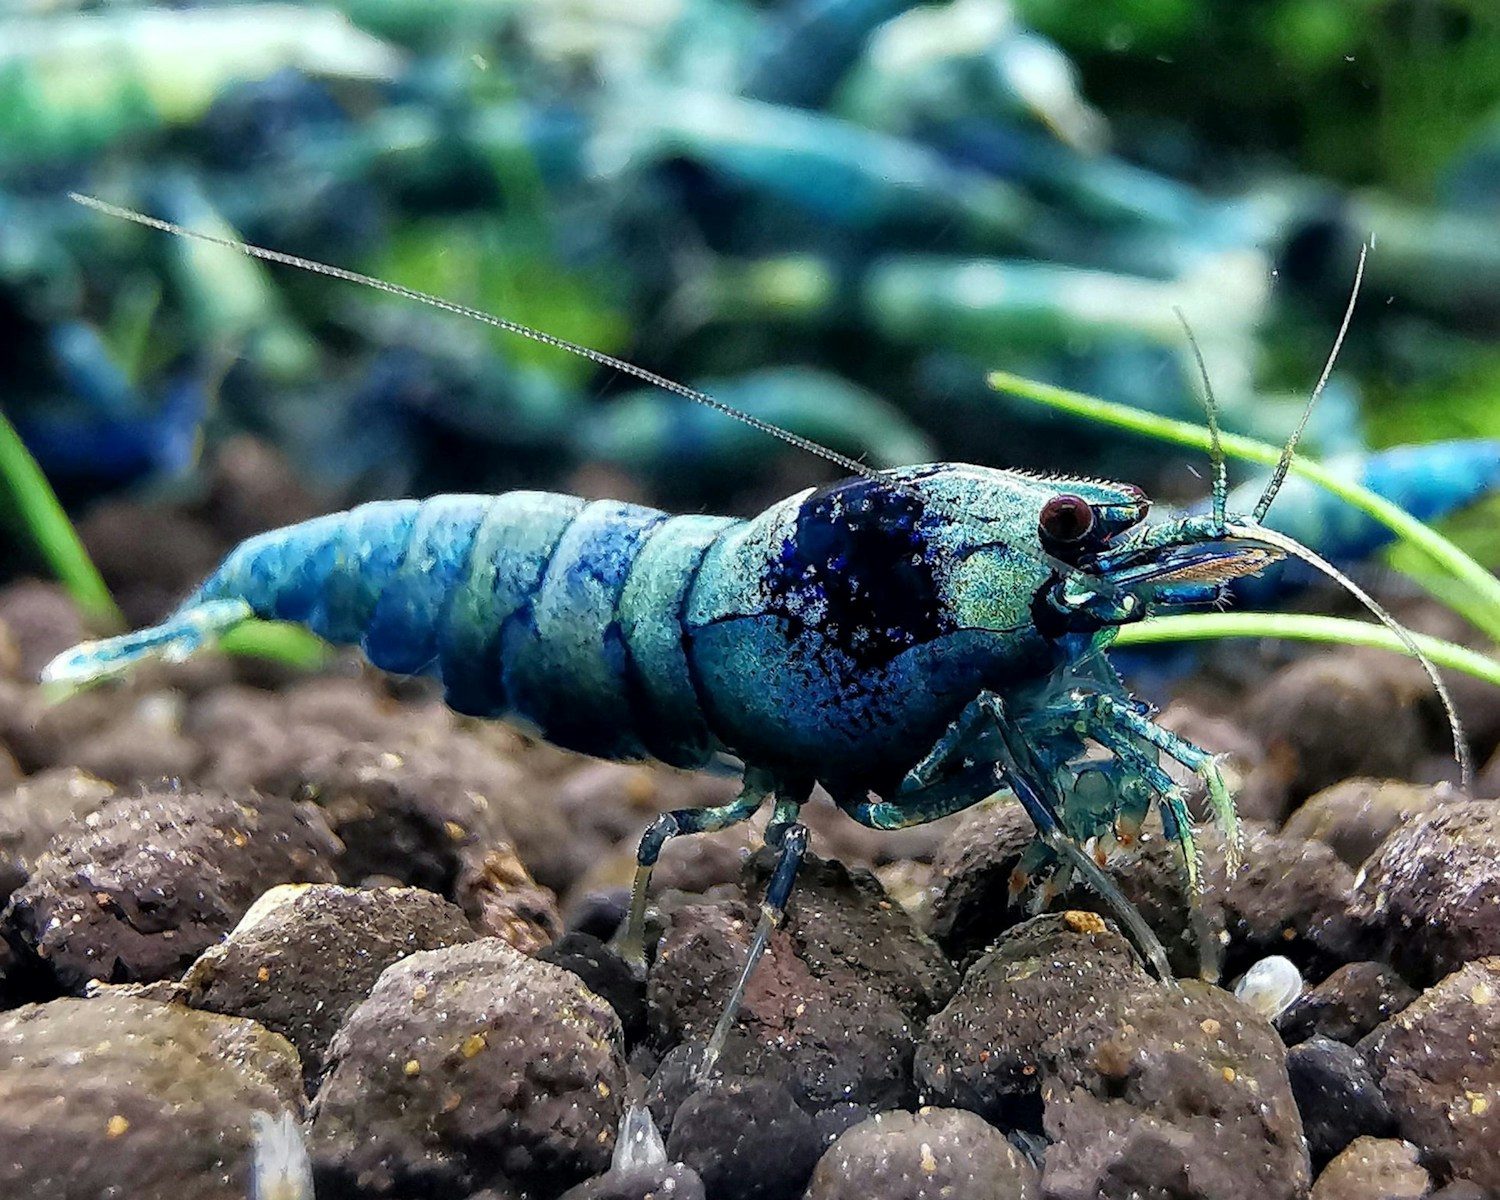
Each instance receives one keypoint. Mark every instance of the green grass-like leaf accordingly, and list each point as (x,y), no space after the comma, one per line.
(56,540)
(277,641)
(1303,627)
(1479,597)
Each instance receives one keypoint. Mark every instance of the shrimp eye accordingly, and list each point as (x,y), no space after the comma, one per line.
(1066,518)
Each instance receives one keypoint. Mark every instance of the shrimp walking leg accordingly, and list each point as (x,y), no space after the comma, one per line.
(1105,713)
(1037,790)
(772,910)
(1006,758)
(756,788)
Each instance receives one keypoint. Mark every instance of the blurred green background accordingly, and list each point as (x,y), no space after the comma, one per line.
(836,214)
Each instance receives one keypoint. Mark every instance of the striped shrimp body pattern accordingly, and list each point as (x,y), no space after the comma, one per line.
(556,612)
(824,638)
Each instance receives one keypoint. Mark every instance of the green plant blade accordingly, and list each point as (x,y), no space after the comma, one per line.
(278,641)
(1482,604)
(36,505)
(1301,627)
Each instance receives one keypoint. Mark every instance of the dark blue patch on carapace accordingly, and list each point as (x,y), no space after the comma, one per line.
(860,567)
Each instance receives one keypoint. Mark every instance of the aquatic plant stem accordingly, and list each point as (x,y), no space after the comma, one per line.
(1303,627)
(277,641)
(58,542)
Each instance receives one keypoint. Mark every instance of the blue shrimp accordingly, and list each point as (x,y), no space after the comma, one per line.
(846,177)
(114,433)
(913,640)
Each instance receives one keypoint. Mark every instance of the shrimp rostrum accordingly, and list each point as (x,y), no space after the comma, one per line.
(912,640)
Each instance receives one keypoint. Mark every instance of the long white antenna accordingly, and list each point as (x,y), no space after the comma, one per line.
(852,465)
(1290,449)
(1215,441)
(1254,531)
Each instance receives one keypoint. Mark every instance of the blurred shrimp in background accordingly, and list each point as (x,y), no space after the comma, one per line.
(839,214)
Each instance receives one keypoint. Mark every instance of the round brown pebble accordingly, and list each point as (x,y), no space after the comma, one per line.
(428,810)
(39,733)
(1290,896)
(1347,1005)
(145,746)
(125,1097)
(1316,718)
(1436,1063)
(1432,890)
(306,953)
(41,621)
(252,487)
(833,1007)
(1355,815)
(467,1067)
(932,1154)
(985,1051)
(1173,1091)
(153,880)
(746,1139)
(1337,1096)
(1142,1088)
(1371,1168)
(150,555)
(973,870)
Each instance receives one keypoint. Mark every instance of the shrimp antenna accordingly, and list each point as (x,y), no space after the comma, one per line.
(1252,530)
(852,465)
(1211,411)
(1278,477)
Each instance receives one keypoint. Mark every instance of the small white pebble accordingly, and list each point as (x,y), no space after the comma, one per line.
(1270,986)
(280,1168)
